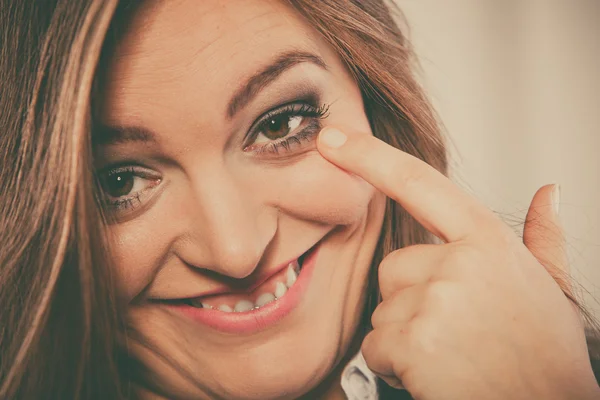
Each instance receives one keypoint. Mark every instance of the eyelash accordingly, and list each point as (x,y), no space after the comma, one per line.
(133,200)
(316,113)
(297,109)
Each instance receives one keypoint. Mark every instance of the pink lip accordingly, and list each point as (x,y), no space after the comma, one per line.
(259,319)
(227,290)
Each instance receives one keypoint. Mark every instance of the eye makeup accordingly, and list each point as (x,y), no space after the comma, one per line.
(124,188)
(286,128)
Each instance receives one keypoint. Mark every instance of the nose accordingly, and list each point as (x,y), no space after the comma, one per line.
(228,232)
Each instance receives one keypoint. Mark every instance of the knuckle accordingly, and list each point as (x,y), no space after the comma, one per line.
(367,345)
(440,292)
(393,268)
(385,267)
(423,337)
(359,155)
(372,345)
(389,267)
(376,317)
(409,175)
(476,259)
(398,308)
(462,254)
(363,142)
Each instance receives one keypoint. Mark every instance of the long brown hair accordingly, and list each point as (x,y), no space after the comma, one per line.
(58,313)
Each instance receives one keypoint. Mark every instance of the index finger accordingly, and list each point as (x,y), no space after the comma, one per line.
(429,196)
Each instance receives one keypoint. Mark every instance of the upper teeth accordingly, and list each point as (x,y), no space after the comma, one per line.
(264,298)
(225,308)
(292,274)
(281,289)
(243,305)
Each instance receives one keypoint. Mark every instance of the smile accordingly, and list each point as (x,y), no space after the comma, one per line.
(245,313)
(272,290)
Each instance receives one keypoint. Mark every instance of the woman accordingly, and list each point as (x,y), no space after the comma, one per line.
(195,206)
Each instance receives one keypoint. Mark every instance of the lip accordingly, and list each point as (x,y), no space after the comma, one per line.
(258,319)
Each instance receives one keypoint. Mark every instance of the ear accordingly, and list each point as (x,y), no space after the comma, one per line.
(544,237)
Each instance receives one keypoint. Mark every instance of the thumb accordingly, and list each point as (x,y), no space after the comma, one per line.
(543,234)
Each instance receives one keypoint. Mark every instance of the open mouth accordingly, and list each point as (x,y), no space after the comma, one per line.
(252,311)
(271,290)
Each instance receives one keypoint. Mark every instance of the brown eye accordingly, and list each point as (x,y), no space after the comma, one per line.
(280,126)
(118,184)
(126,188)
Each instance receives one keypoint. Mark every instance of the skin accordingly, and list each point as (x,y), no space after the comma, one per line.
(517,335)
(213,215)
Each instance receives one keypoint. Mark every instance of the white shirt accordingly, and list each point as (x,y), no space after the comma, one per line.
(358,381)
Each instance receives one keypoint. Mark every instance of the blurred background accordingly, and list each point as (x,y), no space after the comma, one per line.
(517,85)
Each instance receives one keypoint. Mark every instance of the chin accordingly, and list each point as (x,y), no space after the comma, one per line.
(286,374)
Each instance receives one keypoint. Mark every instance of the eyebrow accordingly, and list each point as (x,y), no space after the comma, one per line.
(256,83)
(241,98)
(104,135)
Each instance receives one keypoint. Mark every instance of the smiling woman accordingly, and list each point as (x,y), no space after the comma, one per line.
(242,200)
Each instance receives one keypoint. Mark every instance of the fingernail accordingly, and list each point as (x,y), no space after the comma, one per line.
(556,198)
(333,138)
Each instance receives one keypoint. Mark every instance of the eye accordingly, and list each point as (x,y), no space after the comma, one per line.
(279,127)
(119,184)
(285,126)
(127,187)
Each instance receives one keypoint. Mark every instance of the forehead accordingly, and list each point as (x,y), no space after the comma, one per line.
(209,45)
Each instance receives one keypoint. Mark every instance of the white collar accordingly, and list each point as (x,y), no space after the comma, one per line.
(358,381)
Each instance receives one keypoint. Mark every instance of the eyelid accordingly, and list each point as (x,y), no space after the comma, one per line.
(312,99)
(125,166)
(123,206)
(303,108)
(272,148)
(309,132)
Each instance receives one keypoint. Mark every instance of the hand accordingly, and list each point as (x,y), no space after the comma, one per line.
(478,317)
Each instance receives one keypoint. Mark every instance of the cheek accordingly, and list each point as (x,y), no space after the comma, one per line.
(314,189)
(136,249)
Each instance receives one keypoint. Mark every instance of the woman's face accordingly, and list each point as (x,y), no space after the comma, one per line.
(208,161)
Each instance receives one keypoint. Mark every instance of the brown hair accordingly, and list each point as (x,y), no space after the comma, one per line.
(58,324)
